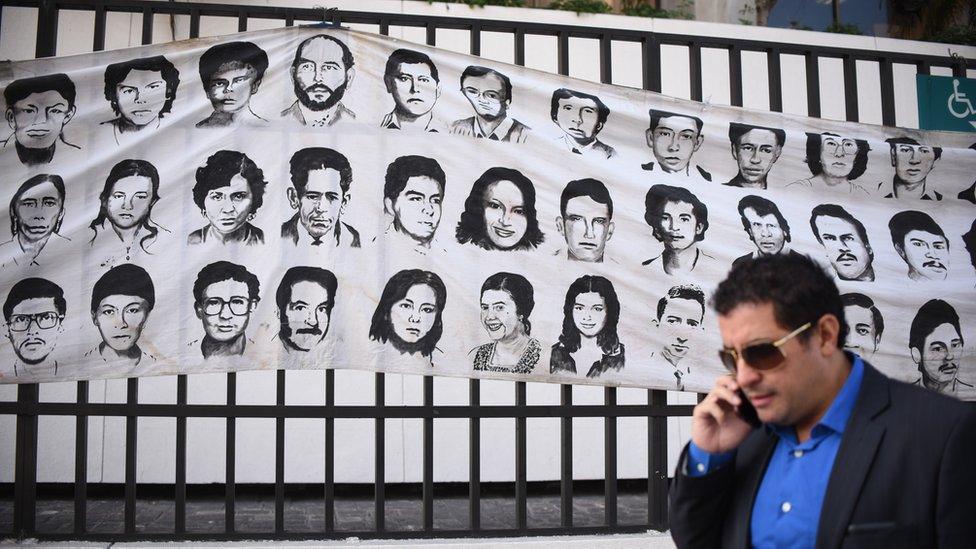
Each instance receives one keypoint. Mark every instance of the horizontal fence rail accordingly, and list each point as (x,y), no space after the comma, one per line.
(28,409)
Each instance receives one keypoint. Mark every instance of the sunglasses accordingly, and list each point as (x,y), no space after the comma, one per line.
(760,356)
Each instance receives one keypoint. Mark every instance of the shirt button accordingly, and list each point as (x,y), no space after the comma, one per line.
(700,467)
(797,453)
(786,507)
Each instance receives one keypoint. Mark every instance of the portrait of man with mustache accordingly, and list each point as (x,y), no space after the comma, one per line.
(38,109)
(305,299)
(36,214)
(34,313)
(320,181)
(936,344)
(845,241)
(767,228)
(921,244)
(321,73)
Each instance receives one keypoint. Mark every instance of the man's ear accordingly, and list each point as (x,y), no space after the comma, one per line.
(345,202)
(350,74)
(10,118)
(69,115)
(776,152)
(698,141)
(610,227)
(388,206)
(656,323)
(649,134)
(559,225)
(437,92)
(916,355)
(893,157)
(255,85)
(198,311)
(828,329)
(293,199)
(699,228)
(597,128)
(735,151)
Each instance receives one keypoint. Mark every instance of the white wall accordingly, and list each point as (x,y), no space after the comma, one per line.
(354,449)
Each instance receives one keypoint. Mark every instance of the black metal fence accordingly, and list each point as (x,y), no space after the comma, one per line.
(28,408)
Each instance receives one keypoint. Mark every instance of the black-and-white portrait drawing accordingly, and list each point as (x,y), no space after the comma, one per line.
(500,213)
(921,244)
(141,92)
(835,161)
(755,150)
(913,162)
(969,194)
(507,300)
(586,220)
(321,73)
(229,190)
(936,344)
(674,138)
(38,109)
(589,336)
(767,228)
(864,324)
(411,79)
(34,311)
(679,221)
(305,298)
(680,317)
(224,296)
(408,316)
(125,208)
(845,241)
(412,196)
(320,180)
(490,95)
(121,302)
(581,116)
(231,74)
(969,241)
(36,214)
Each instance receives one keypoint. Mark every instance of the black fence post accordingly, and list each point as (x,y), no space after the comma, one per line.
(25,475)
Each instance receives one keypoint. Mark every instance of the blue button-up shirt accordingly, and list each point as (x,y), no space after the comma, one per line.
(787,507)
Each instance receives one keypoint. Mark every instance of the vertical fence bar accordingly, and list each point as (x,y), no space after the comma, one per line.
(81,461)
(775,79)
(431,35)
(923,67)
(520,457)
(850,88)
(562,52)
(474,455)
(694,70)
(379,502)
(47,30)
(566,458)
(887,78)
(428,453)
(330,451)
(657,464)
(475,43)
(25,479)
(651,61)
(735,76)
(519,46)
(610,456)
(131,432)
(242,21)
(230,453)
(813,84)
(180,521)
(98,39)
(147,25)
(279,490)
(194,23)
(606,59)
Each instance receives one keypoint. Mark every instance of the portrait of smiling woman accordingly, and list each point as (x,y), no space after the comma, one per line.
(229,190)
(123,226)
(506,302)
(589,336)
(408,316)
(500,213)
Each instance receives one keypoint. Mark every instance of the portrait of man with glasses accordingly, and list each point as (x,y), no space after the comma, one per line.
(800,445)
(224,296)
(34,312)
(490,95)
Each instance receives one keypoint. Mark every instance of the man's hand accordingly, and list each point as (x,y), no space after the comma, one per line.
(716,426)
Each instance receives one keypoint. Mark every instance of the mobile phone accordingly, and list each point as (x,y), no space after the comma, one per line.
(747,411)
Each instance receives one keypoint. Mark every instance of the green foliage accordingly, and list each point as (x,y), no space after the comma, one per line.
(483,3)
(581,6)
(638,8)
(956,34)
(842,28)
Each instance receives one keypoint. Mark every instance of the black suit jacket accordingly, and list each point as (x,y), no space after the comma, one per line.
(904,476)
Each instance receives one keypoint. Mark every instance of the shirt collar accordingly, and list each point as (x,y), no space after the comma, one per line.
(500,132)
(835,419)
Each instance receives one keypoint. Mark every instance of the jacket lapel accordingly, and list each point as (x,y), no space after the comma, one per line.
(757,456)
(858,447)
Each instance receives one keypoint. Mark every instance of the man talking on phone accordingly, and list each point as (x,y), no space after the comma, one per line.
(840,455)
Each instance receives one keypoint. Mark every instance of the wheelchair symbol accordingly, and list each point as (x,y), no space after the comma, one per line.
(959,104)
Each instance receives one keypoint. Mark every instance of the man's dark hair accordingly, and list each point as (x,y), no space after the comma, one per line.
(224,270)
(471,227)
(116,73)
(904,222)
(931,315)
(381,327)
(590,188)
(404,56)
(475,70)
(33,288)
(833,210)
(799,289)
(969,240)
(762,207)
(319,158)
(28,185)
(301,273)
(659,195)
(685,291)
(893,142)
(657,115)
(124,279)
(854,299)
(405,167)
(347,60)
(123,169)
(815,144)
(236,54)
(520,290)
(21,89)
(221,167)
(607,339)
(737,130)
(602,110)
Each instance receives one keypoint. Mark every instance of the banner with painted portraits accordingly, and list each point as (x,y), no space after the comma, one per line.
(313,197)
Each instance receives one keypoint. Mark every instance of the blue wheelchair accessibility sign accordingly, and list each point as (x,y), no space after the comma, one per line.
(946,103)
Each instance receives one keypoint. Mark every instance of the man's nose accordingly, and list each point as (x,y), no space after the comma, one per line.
(673,144)
(682,340)
(590,232)
(140,98)
(745,375)
(122,324)
(765,231)
(413,86)
(127,203)
(754,157)
(225,313)
(311,318)
(914,157)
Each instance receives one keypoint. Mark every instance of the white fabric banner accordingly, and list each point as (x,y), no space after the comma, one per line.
(314,197)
